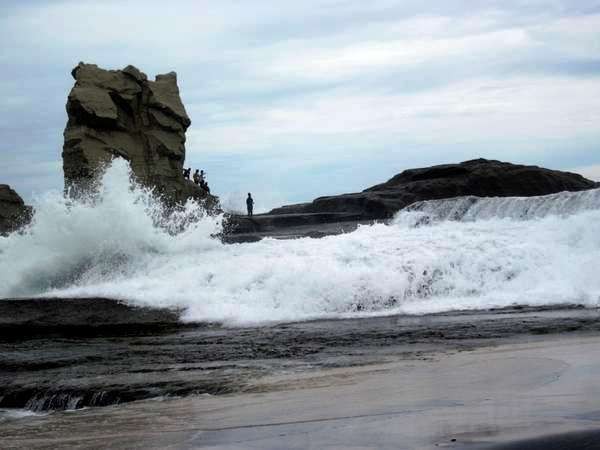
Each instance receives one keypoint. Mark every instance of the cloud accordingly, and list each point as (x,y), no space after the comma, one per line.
(346,61)
(286,91)
(479,109)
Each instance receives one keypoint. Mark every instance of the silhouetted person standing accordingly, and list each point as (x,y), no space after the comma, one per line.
(186,173)
(250,204)
(197,177)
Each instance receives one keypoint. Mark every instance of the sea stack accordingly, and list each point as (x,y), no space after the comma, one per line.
(121,113)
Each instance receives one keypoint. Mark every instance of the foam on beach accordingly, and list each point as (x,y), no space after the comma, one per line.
(431,259)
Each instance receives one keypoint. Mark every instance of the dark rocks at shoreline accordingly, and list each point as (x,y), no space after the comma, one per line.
(478,177)
(24,317)
(248,231)
(48,368)
(13,211)
(272,223)
(121,113)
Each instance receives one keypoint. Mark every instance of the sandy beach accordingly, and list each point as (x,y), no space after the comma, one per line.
(481,398)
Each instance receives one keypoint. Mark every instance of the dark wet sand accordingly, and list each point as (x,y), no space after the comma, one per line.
(500,396)
(583,440)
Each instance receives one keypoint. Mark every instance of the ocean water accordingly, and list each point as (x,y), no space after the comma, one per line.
(14,413)
(444,255)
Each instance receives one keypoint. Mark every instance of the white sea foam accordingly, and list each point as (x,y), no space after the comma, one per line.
(472,208)
(114,248)
(14,413)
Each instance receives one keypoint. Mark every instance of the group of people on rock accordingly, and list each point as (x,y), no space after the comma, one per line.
(199,178)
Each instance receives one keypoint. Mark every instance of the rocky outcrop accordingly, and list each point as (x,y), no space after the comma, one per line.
(123,113)
(30,315)
(479,177)
(13,211)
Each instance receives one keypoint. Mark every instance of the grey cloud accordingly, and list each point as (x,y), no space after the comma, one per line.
(261,100)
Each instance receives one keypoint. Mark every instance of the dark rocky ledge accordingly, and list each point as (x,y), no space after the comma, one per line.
(54,364)
(479,177)
(310,230)
(24,317)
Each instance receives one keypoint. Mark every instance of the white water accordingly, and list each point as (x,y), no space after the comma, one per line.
(113,249)
(518,208)
(17,413)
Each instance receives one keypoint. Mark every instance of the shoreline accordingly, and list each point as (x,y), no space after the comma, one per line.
(482,398)
(88,315)
(49,368)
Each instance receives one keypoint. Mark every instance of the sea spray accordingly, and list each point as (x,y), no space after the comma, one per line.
(99,237)
(115,249)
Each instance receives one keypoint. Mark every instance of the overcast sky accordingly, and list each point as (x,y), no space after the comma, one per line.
(292,100)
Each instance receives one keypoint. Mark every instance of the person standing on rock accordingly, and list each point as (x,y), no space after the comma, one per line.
(250,204)
(197,177)
(186,173)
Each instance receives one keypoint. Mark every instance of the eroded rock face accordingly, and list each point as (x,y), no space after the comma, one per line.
(13,211)
(122,113)
(479,177)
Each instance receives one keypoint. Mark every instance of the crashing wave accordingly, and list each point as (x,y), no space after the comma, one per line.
(472,208)
(114,249)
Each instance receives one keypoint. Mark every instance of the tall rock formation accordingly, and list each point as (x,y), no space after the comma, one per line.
(122,113)
(13,211)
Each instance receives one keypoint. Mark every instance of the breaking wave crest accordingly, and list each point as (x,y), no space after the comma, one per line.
(471,208)
(97,238)
(120,246)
